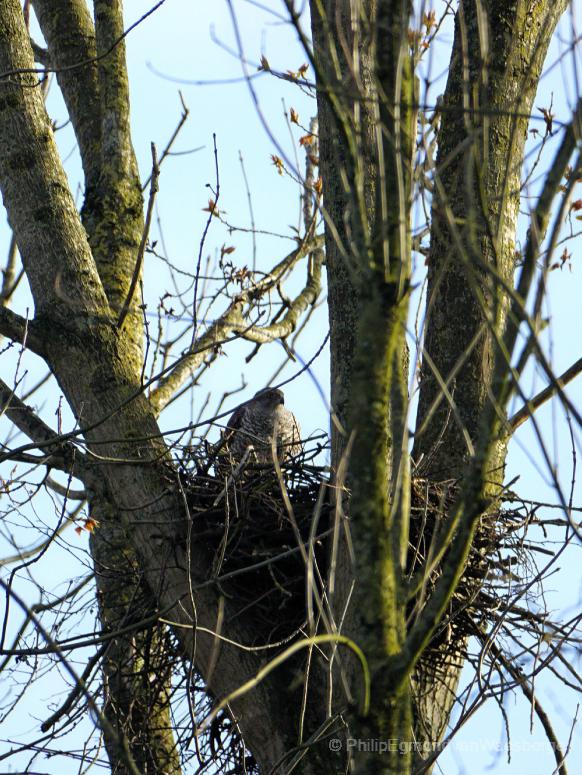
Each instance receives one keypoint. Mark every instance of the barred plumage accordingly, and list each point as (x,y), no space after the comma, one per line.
(265,424)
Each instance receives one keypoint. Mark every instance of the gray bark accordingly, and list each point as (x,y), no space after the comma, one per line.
(95,367)
(473,232)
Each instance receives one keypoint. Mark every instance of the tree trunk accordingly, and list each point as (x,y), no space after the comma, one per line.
(471,264)
(367,128)
(97,369)
(474,217)
(97,99)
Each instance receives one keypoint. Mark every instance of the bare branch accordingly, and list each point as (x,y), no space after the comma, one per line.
(170,143)
(103,722)
(62,454)
(544,395)
(144,238)
(20,331)
(234,321)
(41,209)
(68,29)
(523,683)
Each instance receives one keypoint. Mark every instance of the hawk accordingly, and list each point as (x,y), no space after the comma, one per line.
(264,424)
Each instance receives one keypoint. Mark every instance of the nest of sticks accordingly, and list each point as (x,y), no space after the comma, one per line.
(501,564)
(264,528)
(268,536)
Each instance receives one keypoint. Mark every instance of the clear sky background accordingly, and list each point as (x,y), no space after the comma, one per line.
(192,48)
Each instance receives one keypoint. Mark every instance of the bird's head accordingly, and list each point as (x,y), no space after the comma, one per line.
(270,397)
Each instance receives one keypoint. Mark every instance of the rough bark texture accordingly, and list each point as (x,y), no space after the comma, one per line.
(366,141)
(484,124)
(68,30)
(475,213)
(96,367)
(474,219)
(136,668)
(138,708)
(348,151)
(347,123)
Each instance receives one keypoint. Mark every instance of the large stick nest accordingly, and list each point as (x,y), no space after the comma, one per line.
(268,531)
(264,528)
(268,534)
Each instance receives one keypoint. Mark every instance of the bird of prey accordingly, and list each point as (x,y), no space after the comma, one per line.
(264,424)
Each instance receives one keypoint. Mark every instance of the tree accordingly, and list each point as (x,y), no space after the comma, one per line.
(417,527)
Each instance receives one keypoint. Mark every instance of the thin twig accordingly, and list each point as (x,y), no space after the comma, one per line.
(144,238)
(544,395)
(175,133)
(212,211)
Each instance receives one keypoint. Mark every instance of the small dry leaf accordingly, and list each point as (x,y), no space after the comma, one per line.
(294,116)
(548,118)
(429,20)
(212,208)
(306,140)
(577,205)
(78,530)
(414,37)
(91,524)
(226,251)
(564,259)
(264,64)
(318,185)
(242,274)
(278,162)
(303,69)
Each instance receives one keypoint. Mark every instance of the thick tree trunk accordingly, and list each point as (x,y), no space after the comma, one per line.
(96,366)
(137,666)
(473,239)
(367,129)
(96,95)
(347,119)
(473,232)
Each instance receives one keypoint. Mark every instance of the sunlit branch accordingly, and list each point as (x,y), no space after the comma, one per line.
(67,455)
(76,495)
(544,395)
(8,273)
(155,174)
(235,320)
(20,330)
(70,34)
